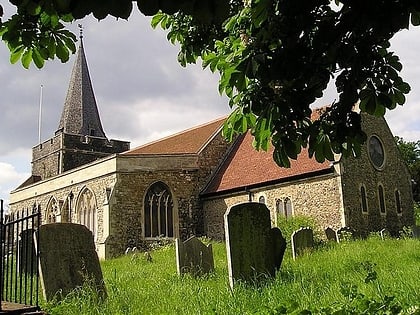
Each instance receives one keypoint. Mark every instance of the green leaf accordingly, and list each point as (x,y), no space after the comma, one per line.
(16,54)
(61,51)
(37,58)
(415,18)
(27,58)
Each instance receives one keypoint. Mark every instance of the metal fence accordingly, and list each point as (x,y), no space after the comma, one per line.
(19,277)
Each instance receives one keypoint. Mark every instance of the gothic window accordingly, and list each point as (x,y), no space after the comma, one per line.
(158,212)
(284,207)
(363,199)
(288,207)
(52,211)
(261,199)
(398,202)
(280,207)
(381,196)
(86,210)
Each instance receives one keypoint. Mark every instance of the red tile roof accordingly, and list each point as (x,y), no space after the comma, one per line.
(185,142)
(247,167)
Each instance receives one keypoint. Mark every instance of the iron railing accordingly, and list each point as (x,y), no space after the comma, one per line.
(19,278)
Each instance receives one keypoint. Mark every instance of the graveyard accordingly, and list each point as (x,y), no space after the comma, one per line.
(293,268)
(377,275)
(327,277)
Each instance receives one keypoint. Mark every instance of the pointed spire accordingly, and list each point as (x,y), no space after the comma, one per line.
(80,113)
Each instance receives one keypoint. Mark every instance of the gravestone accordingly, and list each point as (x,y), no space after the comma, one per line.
(68,260)
(302,240)
(384,233)
(331,234)
(26,254)
(254,250)
(416,231)
(345,233)
(193,257)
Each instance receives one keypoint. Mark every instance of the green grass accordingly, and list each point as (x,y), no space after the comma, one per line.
(340,276)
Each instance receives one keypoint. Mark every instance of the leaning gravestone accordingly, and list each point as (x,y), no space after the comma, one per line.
(331,234)
(26,253)
(254,249)
(302,240)
(193,257)
(68,260)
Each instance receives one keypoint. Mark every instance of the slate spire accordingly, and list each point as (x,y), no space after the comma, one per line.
(80,113)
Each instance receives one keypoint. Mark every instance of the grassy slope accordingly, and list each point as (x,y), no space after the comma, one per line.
(136,286)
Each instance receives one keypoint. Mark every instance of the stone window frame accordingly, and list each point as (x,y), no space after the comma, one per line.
(364,206)
(381,199)
(398,206)
(258,197)
(382,166)
(87,217)
(145,209)
(52,210)
(285,202)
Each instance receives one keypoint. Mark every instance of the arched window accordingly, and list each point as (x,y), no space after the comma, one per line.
(363,199)
(398,202)
(261,199)
(52,211)
(381,196)
(288,207)
(284,207)
(158,212)
(86,210)
(280,207)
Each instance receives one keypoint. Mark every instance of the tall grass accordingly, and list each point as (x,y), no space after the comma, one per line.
(329,277)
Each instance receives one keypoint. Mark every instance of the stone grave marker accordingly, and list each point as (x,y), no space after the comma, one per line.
(302,240)
(193,257)
(416,231)
(345,233)
(26,253)
(384,233)
(254,250)
(331,234)
(68,260)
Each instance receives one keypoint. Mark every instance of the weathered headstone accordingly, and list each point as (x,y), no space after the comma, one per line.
(254,249)
(26,254)
(302,240)
(68,260)
(193,257)
(416,231)
(384,233)
(345,233)
(331,234)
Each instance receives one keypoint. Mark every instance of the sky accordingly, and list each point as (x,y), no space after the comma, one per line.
(142,92)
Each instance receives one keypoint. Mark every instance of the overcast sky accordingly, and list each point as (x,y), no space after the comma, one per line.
(142,92)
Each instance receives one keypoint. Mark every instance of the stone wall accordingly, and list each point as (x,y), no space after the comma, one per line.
(393,176)
(64,152)
(318,197)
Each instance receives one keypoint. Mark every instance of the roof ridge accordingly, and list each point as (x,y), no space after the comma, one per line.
(179,133)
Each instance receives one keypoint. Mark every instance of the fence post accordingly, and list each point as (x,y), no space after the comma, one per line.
(1,250)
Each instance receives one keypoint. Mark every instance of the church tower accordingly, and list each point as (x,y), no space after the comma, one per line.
(80,138)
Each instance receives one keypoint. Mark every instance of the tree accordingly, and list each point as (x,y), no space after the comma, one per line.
(275,57)
(410,152)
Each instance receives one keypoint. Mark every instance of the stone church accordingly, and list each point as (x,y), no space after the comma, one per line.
(182,185)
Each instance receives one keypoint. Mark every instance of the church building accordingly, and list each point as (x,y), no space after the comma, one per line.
(183,184)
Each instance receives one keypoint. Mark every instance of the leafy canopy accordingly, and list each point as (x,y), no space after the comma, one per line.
(274,57)
(410,152)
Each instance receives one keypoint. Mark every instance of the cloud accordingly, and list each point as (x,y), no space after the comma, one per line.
(8,179)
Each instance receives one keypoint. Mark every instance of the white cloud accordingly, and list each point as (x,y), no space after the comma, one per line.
(10,178)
